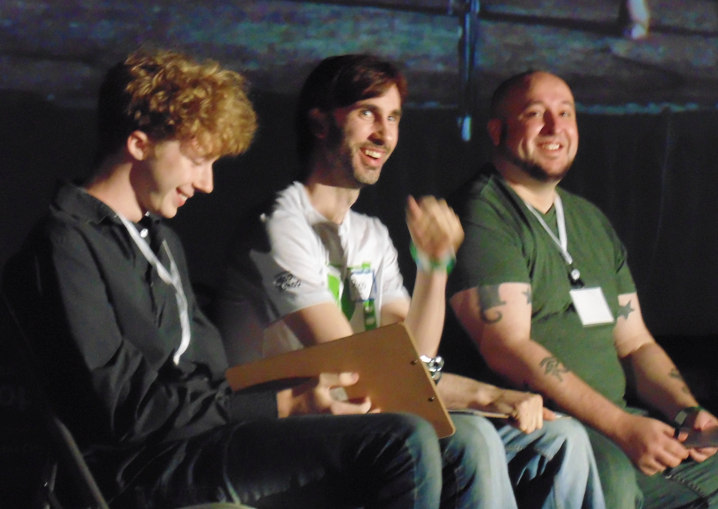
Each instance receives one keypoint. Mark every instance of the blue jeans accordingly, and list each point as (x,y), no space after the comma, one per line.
(553,467)
(390,461)
(549,468)
(478,478)
(690,485)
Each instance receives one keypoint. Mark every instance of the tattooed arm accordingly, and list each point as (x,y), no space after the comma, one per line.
(658,382)
(498,318)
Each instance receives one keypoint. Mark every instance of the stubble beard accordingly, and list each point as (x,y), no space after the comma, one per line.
(342,159)
(532,168)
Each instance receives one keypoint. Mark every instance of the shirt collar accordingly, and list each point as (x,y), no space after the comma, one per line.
(313,216)
(72,199)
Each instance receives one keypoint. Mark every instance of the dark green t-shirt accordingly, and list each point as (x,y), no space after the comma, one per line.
(505,243)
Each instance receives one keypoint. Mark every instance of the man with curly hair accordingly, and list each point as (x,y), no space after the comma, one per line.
(130,362)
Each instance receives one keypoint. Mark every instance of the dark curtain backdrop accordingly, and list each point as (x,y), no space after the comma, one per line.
(655,177)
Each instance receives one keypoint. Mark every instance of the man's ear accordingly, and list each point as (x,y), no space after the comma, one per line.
(139,145)
(318,123)
(495,127)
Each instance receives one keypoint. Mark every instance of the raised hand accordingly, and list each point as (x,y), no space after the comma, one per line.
(434,227)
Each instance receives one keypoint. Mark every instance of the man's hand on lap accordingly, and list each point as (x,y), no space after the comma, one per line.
(649,443)
(315,397)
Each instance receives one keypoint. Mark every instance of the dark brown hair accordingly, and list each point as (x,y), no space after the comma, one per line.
(337,82)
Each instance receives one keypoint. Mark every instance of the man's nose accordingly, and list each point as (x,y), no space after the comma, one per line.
(549,122)
(205,179)
(383,132)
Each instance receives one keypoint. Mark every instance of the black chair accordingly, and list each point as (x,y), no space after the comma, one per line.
(67,455)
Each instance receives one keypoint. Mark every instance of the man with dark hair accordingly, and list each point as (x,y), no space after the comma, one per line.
(336,82)
(130,362)
(543,287)
(321,271)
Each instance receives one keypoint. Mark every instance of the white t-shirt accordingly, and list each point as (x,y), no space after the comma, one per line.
(313,260)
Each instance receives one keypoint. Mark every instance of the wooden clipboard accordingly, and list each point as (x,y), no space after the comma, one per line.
(389,368)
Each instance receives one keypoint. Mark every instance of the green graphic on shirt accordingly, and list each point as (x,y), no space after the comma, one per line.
(334,283)
(356,287)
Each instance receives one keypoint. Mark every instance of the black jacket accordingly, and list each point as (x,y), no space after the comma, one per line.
(105,328)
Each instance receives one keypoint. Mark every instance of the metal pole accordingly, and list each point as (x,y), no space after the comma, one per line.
(467,56)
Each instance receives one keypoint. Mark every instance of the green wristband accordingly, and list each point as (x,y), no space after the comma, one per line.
(425,263)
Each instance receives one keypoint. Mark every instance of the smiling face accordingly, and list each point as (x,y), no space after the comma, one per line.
(169,175)
(361,137)
(537,131)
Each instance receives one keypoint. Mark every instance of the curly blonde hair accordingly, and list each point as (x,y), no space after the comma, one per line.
(169,96)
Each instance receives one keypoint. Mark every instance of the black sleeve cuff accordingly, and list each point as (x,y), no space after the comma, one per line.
(251,405)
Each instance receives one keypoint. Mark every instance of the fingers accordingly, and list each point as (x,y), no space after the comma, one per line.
(673,452)
(703,420)
(350,408)
(668,452)
(651,468)
(549,415)
(331,397)
(434,227)
(330,380)
(702,454)
(672,458)
(527,412)
(412,208)
(651,445)
(668,457)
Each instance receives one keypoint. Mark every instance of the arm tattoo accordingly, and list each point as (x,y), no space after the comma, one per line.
(528,295)
(624,311)
(554,367)
(489,298)
(675,374)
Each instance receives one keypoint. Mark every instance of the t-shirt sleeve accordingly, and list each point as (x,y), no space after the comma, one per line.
(491,253)
(293,270)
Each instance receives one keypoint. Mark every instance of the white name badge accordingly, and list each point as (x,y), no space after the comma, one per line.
(591,306)
(362,284)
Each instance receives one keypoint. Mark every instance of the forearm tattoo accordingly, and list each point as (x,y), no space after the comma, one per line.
(528,295)
(554,367)
(675,374)
(488,299)
(625,310)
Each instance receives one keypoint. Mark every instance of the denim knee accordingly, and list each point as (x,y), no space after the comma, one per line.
(422,444)
(418,435)
(568,434)
(477,438)
(475,471)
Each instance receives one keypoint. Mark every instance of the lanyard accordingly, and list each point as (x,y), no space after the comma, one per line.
(562,240)
(171,277)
